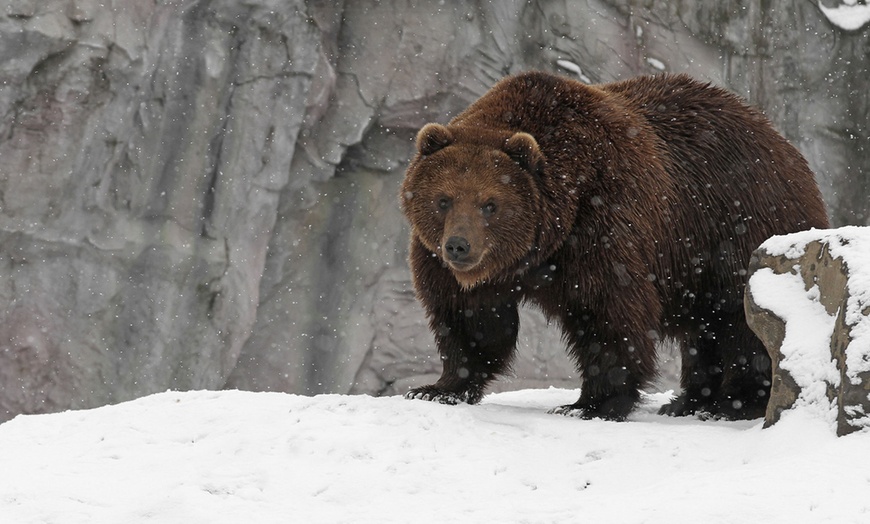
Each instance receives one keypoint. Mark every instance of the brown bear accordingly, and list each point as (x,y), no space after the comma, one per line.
(626,211)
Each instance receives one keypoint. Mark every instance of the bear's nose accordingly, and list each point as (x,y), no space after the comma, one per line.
(457,249)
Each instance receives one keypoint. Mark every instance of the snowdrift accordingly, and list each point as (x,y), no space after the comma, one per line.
(230,457)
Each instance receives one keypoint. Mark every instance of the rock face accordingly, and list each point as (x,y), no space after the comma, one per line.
(808,299)
(202,193)
(144,150)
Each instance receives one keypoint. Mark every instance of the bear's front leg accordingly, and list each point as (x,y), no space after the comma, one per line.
(475,344)
(615,364)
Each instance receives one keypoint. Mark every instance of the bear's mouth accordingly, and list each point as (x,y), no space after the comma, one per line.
(460,266)
(466,268)
(467,274)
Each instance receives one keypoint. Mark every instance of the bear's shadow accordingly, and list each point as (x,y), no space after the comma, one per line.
(524,405)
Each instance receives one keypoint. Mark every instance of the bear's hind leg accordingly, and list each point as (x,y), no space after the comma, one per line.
(725,370)
(700,376)
(746,376)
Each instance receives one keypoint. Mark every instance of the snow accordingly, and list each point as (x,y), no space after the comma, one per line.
(574,68)
(229,457)
(849,15)
(656,63)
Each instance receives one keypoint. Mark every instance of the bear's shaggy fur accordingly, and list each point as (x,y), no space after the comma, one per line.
(626,211)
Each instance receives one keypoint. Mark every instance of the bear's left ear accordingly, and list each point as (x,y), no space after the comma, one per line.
(433,138)
(524,150)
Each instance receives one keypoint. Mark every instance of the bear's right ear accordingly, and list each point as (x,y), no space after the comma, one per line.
(524,150)
(433,138)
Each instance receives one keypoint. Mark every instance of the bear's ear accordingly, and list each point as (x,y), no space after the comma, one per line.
(524,150)
(433,138)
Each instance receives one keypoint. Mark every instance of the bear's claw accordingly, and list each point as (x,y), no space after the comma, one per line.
(570,411)
(443,397)
(716,409)
(616,409)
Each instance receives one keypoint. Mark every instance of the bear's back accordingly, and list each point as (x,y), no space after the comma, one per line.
(738,180)
(722,150)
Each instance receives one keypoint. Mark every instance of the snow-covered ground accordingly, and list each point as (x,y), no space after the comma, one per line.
(267,458)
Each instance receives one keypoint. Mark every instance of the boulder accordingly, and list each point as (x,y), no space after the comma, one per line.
(808,299)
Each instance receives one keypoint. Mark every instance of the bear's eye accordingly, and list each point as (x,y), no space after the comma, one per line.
(444,203)
(488,209)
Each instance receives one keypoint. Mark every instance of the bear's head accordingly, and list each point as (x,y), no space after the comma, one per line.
(472,199)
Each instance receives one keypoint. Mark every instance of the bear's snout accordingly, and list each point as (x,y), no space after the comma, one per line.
(457,249)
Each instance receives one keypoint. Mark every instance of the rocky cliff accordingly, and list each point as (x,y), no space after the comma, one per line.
(202,193)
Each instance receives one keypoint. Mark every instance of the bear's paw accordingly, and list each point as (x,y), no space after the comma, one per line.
(570,410)
(615,408)
(682,406)
(433,394)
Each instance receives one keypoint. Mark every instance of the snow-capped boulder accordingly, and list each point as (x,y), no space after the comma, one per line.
(808,299)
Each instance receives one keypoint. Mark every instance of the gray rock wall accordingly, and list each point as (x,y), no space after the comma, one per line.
(202,193)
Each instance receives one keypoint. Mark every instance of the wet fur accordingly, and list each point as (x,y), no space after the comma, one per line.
(633,208)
